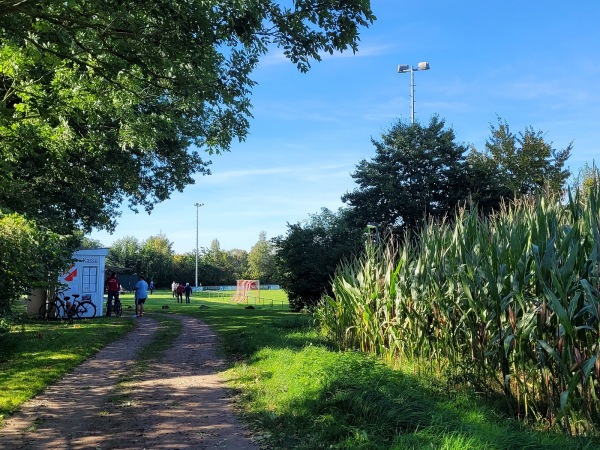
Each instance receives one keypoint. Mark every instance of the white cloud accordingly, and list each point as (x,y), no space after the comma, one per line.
(276,56)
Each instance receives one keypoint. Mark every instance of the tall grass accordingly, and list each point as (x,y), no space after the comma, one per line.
(508,303)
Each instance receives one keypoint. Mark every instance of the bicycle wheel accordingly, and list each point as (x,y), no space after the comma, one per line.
(86,309)
(50,311)
(62,311)
(118,308)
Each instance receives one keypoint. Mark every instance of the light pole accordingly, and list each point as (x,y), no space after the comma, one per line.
(197,205)
(373,226)
(403,68)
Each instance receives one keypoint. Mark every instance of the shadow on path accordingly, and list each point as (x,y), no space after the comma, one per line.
(180,402)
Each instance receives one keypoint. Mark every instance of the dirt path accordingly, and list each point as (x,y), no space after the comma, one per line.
(180,403)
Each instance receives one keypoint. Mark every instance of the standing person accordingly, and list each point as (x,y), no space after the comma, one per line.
(188,292)
(141,294)
(151,287)
(112,287)
(174,289)
(180,289)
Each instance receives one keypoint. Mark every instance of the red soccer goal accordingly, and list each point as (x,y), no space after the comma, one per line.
(242,289)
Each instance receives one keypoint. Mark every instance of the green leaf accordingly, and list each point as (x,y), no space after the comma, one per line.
(560,312)
(564,396)
(553,353)
(588,365)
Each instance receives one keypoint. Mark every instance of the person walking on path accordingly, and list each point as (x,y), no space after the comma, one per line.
(141,294)
(112,288)
(151,287)
(174,289)
(180,289)
(188,292)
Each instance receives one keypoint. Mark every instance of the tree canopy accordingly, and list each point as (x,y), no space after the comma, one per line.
(110,102)
(28,255)
(308,255)
(588,178)
(155,258)
(514,165)
(417,171)
(261,260)
(420,171)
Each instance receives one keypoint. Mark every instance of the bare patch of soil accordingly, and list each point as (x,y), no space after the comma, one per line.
(179,403)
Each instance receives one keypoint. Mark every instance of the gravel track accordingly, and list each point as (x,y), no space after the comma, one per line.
(181,402)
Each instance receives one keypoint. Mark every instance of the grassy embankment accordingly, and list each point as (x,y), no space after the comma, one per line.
(296,392)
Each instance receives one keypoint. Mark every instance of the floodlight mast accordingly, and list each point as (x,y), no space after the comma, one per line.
(197,205)
(403,68)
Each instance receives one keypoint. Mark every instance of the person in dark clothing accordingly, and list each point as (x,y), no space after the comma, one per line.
(188,292)
(112,287)
(180,289)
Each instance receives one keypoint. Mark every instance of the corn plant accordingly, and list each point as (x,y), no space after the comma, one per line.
(508,302)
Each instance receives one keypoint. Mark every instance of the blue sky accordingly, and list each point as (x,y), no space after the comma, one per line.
(532,63)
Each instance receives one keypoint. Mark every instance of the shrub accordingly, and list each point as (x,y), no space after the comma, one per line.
(4,336)
(308,255)
(30,257)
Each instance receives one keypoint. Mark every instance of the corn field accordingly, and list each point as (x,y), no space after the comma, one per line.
(508,303)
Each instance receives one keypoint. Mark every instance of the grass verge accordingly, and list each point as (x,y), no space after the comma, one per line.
(168,330)
(40,353)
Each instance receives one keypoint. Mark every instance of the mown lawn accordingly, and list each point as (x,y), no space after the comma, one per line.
(39,353)
(295,390)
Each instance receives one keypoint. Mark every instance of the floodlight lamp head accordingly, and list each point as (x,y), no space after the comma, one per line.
(423,66)
(402,68)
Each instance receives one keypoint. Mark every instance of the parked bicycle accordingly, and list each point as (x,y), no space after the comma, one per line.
(61,307)
(55,308)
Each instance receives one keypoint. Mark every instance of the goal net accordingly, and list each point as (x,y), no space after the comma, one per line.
(243,288)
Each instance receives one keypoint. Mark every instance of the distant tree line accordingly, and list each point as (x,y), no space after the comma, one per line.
(155,258)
